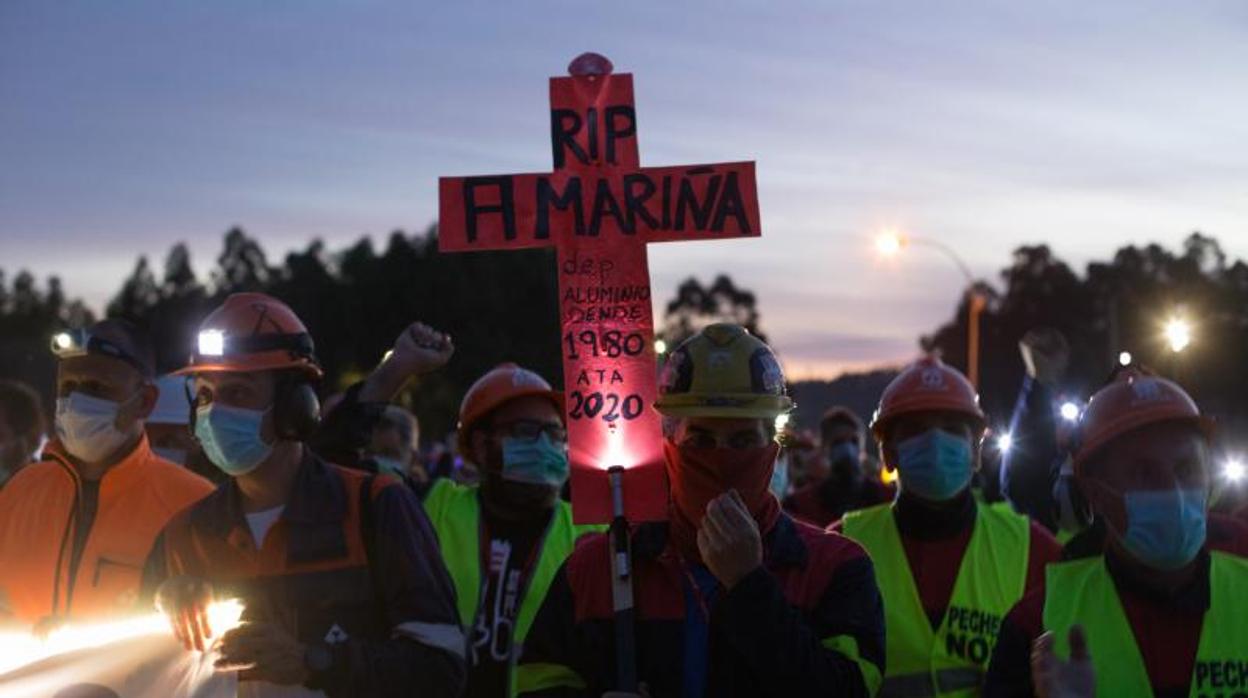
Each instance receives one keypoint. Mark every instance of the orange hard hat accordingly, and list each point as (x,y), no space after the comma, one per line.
(504,383)
(927,385)
(1134,399)
(252,332)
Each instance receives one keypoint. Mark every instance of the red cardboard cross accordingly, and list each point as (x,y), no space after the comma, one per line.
(599,208)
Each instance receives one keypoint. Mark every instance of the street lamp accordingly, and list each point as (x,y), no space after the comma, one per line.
(890,242)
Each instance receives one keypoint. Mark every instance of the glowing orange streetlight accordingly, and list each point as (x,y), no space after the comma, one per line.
(890,242)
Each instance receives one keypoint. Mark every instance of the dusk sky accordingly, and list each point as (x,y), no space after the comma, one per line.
(128,126)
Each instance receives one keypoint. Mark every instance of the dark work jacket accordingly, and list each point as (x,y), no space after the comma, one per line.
(769,636)
(1030,467)
(357,571)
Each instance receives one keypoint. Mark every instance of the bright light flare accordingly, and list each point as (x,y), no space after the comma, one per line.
(1070,411)
(1178,334)
(782,421)
(1125,358)
(63,340)
(1005,442)
(889,242)
(1234,469)
(616,454)
(211,343)
(660,347)
(224,616)
(17,649)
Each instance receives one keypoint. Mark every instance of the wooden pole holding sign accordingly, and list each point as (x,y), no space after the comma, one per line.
(599,208)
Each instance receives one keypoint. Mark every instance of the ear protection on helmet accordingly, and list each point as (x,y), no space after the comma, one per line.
(296,409)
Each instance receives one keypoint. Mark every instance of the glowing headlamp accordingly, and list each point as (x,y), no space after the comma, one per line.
(211,343)
(1233,469)
(782,421)
(1005,442)
(1070,411)
(70,343)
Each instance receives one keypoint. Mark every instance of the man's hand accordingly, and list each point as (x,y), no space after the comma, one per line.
(46,625)
(729,540)
(419,349)
(185,601)
(1053,678)
(263,652)
(1045,354)
(422,349)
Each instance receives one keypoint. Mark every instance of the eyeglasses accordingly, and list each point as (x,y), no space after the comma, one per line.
(530,430)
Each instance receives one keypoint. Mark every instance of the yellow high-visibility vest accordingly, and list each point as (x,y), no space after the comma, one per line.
(455,513)
(1082,592)
(951,660)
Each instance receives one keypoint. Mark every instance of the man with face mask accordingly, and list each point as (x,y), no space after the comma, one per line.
(338,570)
(951,567)
(733,597)
(75,528)
(504,539)
(1162,612)
(847,487)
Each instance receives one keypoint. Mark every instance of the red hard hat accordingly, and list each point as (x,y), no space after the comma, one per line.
(927,385)
(501,385)
(1134,399)
(252,332)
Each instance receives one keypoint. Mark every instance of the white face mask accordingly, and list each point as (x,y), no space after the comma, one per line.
(87,428)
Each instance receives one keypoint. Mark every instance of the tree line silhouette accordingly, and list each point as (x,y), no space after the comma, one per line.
(502,306)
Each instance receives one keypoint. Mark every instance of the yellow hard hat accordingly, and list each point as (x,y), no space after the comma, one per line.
(723,371)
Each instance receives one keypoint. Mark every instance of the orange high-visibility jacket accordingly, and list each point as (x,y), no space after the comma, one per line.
(39,512)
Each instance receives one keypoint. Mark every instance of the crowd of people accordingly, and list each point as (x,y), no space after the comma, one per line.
(1086,562)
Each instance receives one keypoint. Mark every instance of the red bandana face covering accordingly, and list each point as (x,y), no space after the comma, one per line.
(699,475)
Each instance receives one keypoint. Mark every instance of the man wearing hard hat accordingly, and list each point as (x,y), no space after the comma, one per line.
(504,540)
(734,598)
(950,566)
(1159,612)
(339,571)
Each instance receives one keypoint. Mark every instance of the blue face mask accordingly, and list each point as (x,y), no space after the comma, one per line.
(231,437)
(537,461)
(1165,528)
(780,479)
(934,465)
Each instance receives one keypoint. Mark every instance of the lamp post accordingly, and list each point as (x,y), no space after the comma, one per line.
(890,242)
